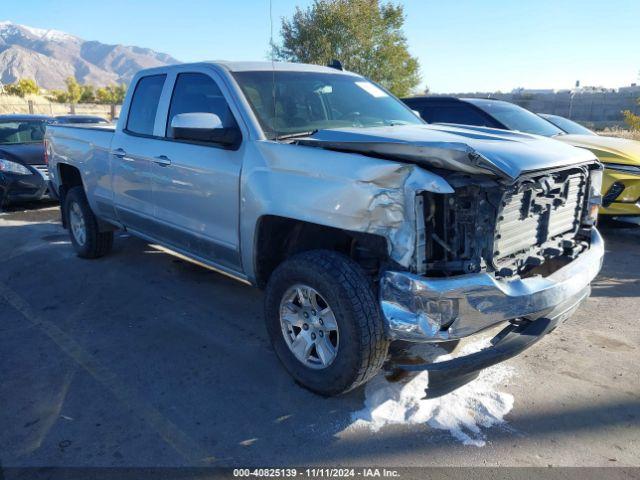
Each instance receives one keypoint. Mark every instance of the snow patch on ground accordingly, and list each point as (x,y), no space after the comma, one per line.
(22,223)
(20,218)
(463,412)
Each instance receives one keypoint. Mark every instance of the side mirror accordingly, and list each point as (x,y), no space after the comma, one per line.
(203,127)
(416,113)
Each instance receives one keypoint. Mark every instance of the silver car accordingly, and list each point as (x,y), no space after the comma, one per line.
(363,224)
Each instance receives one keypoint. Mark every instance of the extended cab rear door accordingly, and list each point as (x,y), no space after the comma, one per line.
(134,147)
(196,184)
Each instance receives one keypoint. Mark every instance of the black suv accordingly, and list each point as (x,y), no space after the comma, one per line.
(481,112)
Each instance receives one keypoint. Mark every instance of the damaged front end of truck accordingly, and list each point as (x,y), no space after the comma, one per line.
(510,239)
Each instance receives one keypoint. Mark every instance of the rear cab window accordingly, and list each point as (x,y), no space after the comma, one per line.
(144,104)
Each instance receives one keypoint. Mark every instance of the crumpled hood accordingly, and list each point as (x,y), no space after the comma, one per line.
(473,150)
(607,149)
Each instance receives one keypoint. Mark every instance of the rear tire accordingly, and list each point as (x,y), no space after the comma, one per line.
(87,239)
(357,335)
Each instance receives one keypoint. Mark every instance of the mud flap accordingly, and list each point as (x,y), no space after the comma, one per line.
(444,377)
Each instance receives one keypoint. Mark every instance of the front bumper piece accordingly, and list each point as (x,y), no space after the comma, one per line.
(415,308)
(422,309)
(446,376)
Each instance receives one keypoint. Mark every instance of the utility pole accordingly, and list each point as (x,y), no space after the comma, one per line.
(573,92)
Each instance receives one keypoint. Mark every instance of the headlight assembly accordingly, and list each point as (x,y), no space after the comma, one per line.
(595,196)
(13,167)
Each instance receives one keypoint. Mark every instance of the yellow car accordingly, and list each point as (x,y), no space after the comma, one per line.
(621,158)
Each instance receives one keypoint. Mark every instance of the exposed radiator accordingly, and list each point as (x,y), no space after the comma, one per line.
(539,215)
(509,229)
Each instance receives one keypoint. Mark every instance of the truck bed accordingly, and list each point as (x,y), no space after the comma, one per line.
(80,138)
(87,148)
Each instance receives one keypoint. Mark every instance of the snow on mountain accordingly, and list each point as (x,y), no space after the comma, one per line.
(49,56)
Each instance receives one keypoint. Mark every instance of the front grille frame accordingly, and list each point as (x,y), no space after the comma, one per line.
(538,219)
(460,228)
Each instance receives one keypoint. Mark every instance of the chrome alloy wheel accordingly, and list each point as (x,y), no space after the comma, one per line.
(309,327)
(76,222)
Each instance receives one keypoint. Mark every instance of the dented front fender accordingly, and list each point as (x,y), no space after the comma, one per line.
(348,191)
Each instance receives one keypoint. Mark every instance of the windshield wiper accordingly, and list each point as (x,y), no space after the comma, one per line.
(295,135)
(395,123)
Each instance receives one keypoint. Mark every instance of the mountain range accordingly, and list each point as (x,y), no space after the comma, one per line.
(51,56)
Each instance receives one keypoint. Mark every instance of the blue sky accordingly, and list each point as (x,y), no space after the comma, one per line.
(462,45)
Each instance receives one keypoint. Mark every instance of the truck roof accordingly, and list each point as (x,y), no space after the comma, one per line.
(279,66)
(263,66)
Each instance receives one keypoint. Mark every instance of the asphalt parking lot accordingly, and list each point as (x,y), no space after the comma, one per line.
(142,359)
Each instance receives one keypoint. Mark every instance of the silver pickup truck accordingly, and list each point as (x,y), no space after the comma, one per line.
(364,224)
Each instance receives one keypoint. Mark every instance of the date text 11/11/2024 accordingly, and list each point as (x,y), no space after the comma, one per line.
(316,472)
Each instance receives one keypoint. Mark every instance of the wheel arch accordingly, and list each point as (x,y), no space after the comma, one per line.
(69,177)
(278,238)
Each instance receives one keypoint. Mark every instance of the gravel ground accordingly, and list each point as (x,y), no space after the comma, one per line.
(141,359)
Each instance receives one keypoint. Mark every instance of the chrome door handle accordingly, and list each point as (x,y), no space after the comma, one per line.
(162,160)
(120,153)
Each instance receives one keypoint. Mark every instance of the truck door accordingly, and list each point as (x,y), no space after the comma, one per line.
(132,151)
(196,183)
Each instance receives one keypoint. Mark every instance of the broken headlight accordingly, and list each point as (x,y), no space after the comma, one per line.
(594,199)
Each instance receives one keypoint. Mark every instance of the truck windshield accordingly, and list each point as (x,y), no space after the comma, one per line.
(517,118)
(290,103)
(21,131)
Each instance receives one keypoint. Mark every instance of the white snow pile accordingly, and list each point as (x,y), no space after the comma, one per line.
(463,412)
(22,223)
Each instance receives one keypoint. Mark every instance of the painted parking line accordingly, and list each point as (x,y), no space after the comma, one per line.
(185,446)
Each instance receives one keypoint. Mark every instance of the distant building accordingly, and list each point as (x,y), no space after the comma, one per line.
(633,88)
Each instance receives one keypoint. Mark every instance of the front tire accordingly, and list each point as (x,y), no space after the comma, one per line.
(324,322)
(87,239)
